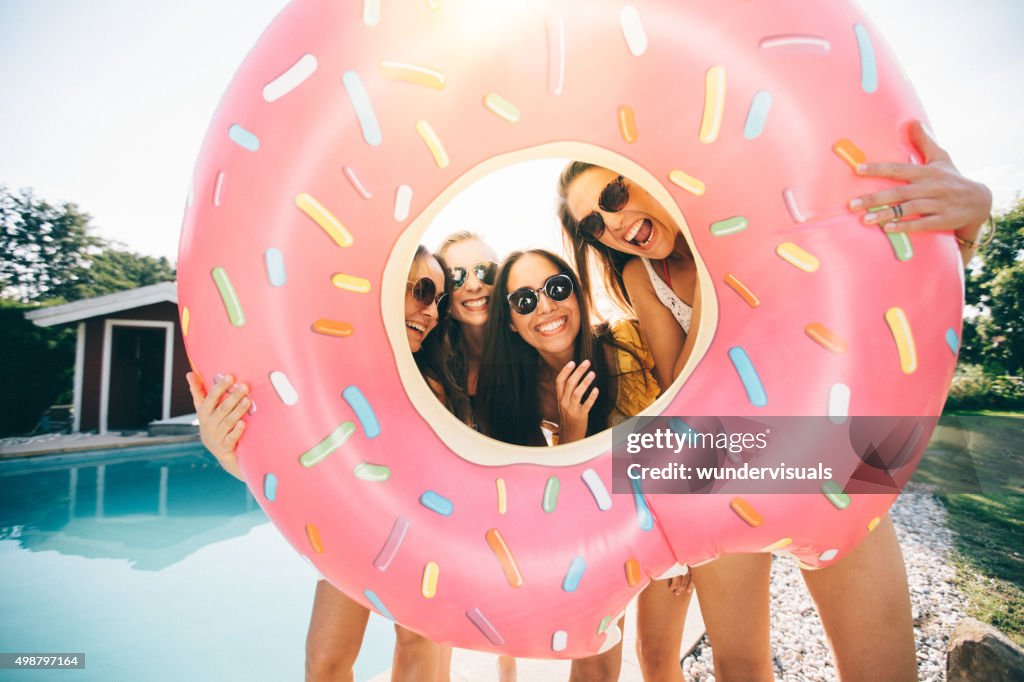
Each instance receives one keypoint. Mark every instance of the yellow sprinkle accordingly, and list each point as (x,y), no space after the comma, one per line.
(184,321)
(430,574)
(324,218)
(714,104)
(351,283)
(794,255)
(778,544)
(900,328)
(433,143)
(501,107)
(413,73)
(687,182)
(873,523)
(627,123)
(502,495)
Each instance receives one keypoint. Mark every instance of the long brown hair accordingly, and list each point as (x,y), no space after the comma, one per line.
(430,358)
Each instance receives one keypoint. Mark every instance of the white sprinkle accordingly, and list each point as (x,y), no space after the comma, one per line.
(290,79)
(371,12)
(795,40)
(794,211)
(559,640)
(350,173)
(556,53)
(217,186)
(597,489)
(403,197)
(838,403)
(633,30)
(284,388)
(828,555)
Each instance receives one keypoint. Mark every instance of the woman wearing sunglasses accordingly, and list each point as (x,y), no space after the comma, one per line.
(337,623)
(646,265)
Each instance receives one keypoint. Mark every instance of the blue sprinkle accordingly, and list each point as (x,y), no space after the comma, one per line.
(274,260)
(757,114)
(378,604)
(364,110)
(243,138)
(436,503)
(270,487)
(574,574)
(868,65)
(748,375)
(643,512)
(952,341)
(680,427)
(361,406)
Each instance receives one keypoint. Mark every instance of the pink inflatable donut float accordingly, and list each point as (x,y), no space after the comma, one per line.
(347,128)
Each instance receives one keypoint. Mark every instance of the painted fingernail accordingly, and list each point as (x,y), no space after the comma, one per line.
(861,168)
(232,388)
(856,203)
(572,363)
(871,218)
(591,375)
(890,227)
(218,377)
(584,363)
(252,406)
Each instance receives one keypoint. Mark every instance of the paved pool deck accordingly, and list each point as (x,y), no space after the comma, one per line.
(57,444)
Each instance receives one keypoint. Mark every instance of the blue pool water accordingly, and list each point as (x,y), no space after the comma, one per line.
(157,565)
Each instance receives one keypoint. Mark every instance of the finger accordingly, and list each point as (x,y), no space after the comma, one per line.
(908,210)
(196,389)
(230,402)
(238,412)
(906,172)
(574,379)
(562,377)
(927,223)
(590,400)
(220,385)
(926,144)
(893,195)
(581,389)
(231,440)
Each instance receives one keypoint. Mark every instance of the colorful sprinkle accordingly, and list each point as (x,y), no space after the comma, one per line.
(574,575)
(357,185)
(364,413)
(789,196)
(721,228)
(273,259)
(873,523)
(550,499)
(505,558)
(403,199)
(243,138)
(901,245)
(364,110)
(334,440)
(633,30)
(777,545)
(502,108)
(357,285)
(795,40)
(378,604)
(868,65)
(643,513)
(290,79)
(740,288)
(477,618)
(333,328)
(834,492)
(371,12)
(433,143)
(951,340)
(828,555)
(559,640)
(218,185)
(627,124)
(313,535)
(687,182)
(632,572)
(748,376)
(904,338)
(324,218)
(431,572)
(849,152)
(228,296)
(838,403)
(436,502)
(186,317)
(680,427)
(796,256)
(825,337)
(374,473)
(285,391)
(270,487)
(745,511)
(502,495)
(413,73)
(396,537)
(597,489)
(757,114)
(556,53)
(714,104)
(603,625)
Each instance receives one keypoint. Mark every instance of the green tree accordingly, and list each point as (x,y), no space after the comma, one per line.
(114,269)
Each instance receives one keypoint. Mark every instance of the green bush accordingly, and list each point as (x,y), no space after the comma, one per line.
(973,388)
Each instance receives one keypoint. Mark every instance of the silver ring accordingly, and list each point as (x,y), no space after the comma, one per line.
(898,210)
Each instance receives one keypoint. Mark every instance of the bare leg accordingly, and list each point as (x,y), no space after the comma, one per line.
(335,634)
(733,595)
(600,667)
(444,664)
(416,657)
(660,618)
(864,603)
(506,669)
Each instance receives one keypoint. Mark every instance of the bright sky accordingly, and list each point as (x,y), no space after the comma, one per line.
(105,103)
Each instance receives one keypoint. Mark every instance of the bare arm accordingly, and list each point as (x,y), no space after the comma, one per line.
(658,327)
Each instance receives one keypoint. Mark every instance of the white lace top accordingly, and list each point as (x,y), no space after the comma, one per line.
(680,310)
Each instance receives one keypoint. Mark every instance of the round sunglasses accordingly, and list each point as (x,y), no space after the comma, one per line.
(425,292)
(484,272)
(524,300)
(612,199)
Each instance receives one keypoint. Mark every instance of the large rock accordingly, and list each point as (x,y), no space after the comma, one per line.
(978,651)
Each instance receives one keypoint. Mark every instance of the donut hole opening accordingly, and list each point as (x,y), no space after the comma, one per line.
(508,204)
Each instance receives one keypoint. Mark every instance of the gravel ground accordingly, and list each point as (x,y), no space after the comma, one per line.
(798,641)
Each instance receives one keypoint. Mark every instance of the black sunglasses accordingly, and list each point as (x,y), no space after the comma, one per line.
(484,272)
(613,197)
(425,292)
(556,287)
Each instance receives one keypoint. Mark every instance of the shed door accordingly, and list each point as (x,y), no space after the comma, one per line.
(136,377)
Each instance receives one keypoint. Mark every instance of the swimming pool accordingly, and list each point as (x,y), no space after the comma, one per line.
(158,566)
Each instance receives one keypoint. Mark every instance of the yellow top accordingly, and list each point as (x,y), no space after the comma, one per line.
(636,385)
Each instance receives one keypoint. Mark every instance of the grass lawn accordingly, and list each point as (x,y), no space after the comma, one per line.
(978,468)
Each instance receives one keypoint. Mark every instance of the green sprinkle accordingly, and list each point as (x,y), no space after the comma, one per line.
(729,226)
(551,494)
(900,245)
(228,296)
(372,472)
(835,494)
(605,622)
(332,442)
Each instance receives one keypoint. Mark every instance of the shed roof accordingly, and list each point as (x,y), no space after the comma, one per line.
(105,305)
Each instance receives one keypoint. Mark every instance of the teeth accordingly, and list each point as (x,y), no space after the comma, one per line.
(416,326)
(476,303)
(552,326)
(633,230)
